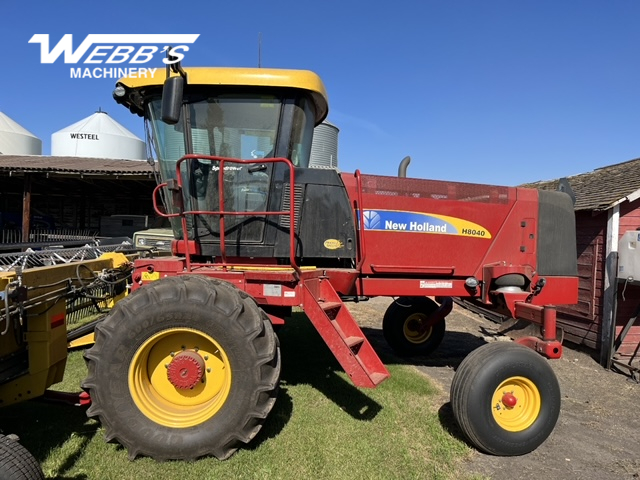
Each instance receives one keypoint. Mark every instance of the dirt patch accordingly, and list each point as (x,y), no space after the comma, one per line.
(597,435)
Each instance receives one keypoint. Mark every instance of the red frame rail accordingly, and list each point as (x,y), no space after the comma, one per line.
(362,251)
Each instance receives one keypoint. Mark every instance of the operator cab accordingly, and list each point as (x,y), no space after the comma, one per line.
(247,114)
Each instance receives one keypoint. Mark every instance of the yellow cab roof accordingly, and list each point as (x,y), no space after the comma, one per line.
(252,77)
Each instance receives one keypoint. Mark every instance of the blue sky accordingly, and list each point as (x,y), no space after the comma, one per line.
(493,91)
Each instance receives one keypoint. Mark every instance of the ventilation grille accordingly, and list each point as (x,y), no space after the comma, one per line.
(434,189)
(286,204)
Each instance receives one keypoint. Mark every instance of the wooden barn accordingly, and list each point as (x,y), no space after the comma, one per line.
(607,205)
(70,194)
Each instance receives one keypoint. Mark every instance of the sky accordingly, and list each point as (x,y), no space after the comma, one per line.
(496,91)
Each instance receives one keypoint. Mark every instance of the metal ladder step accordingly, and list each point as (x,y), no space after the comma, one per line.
(326,306)
(342,334)
(378,378)
(353,342)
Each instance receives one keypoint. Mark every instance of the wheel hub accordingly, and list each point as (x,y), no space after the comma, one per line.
(416,328)
(516,404)
(509,400)
(185,370)
(417,325)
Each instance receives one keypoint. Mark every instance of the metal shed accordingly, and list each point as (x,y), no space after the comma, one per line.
(73,192)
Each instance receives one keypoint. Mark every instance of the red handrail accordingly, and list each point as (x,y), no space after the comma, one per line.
(362,251)
(222,213)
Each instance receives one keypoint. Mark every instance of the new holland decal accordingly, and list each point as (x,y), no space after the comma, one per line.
(416,222)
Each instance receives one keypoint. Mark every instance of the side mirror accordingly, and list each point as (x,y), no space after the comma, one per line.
(172,99)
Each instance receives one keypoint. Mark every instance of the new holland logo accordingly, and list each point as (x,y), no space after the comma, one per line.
(421,222)
(114,49)
(371,220)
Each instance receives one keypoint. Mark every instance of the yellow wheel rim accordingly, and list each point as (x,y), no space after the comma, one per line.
(414,329)
(516,404)
(159,399)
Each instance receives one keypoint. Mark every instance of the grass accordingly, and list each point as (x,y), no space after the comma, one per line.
(320,427)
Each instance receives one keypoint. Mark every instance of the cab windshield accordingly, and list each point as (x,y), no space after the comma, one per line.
(240,125)
(234,125)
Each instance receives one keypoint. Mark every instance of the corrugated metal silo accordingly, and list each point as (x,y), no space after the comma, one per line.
(97,136)
(16,140)
(324,149)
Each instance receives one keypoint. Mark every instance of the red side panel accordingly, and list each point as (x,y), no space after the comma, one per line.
(443,229)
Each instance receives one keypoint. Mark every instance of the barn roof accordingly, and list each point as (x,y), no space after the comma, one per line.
(602,188)
(20,164)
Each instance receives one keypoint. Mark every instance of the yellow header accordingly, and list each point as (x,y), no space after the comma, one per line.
(253,77)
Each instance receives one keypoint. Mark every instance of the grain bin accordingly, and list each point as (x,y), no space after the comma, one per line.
(16,140)
(324,149)
(97,136)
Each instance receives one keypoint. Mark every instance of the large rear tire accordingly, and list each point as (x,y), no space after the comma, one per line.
(404,326)
(16,463)
(505,398)
(185,367)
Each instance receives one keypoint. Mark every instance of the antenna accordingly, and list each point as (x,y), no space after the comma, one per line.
(259,49)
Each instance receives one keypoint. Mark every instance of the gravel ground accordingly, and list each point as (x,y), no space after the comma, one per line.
(598,434)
